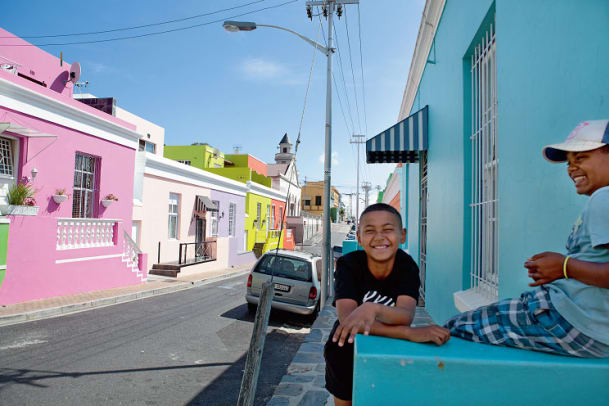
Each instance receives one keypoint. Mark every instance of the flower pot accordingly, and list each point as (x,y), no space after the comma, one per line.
(106,203)
(59,198)
(11,210)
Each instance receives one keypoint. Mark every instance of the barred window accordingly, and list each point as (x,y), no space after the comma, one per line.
(85,186)
(214,219)
(484,165)
(258,214)
(232,211)
(273,217)
(6,157)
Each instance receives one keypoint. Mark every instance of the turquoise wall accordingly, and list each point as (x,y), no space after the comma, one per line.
(544,91)
(553,64)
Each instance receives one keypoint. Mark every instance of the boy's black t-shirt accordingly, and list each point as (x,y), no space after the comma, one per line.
(354,281)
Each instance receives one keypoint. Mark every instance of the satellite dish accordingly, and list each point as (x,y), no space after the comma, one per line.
(74,72)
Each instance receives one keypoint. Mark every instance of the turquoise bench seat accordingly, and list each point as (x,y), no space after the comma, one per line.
(397,372)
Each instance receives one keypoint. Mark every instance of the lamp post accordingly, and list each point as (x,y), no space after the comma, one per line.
(326,253)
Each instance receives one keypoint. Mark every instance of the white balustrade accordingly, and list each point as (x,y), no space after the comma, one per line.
(77,233)
(130,252)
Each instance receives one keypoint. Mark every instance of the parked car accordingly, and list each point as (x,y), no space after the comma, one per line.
(296,281)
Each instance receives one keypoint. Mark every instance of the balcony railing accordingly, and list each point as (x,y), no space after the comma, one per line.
(77,233)
(194,252)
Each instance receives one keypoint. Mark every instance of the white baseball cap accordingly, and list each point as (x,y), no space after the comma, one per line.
(588,135)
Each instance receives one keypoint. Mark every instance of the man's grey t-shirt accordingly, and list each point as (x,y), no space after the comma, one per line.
(586,307)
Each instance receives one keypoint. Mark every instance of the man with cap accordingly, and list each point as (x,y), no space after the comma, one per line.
(568,312)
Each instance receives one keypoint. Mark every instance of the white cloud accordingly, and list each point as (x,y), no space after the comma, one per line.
(258,68)
(334,158)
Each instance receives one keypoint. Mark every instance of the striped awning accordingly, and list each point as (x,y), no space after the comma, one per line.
(400,143)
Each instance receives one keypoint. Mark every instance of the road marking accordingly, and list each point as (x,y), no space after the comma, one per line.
(22,344)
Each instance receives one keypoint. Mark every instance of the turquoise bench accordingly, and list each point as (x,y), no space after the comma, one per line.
(398,372)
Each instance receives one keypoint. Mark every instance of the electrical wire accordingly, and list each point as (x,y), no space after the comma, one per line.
(137,26)
(152,33)
(359,125)
(361,61)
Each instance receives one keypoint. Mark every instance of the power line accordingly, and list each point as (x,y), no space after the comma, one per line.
(152,33)
(359,125)
(361,62)
(137,26)
(342,72)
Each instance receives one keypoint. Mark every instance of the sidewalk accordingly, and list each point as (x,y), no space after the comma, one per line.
(304,382)
(156,285)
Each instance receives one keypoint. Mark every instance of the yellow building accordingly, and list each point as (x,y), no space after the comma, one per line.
(312,197)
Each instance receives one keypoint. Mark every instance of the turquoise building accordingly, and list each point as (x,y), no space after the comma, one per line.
(490,84)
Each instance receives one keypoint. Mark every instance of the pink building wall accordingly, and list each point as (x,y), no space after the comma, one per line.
(36,269)
(257,165)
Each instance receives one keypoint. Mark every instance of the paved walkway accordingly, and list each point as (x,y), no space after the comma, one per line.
(156,285)
(303,385)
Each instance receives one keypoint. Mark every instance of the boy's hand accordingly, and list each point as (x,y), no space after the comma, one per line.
(359,321)
(427,334)
(545,267)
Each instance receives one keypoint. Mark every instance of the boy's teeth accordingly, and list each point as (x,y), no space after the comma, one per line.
(578,179)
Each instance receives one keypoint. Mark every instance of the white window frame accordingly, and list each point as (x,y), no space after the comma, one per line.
(10,160)
(232,211)
(258,215)
(88,211)
(484,205)
(147,147)
(214,219)
(6,181)
(174,216)
(273,217)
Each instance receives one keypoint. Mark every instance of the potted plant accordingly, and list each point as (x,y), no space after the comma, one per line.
(107,201)
(21,200)
(60,195)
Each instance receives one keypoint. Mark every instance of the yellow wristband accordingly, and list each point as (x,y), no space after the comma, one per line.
(564,267)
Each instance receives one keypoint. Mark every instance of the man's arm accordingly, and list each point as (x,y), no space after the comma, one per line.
(548,266)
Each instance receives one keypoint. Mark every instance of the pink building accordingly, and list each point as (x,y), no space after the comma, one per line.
(56,142)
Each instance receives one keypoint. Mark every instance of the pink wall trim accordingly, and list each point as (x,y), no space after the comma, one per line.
(32,277)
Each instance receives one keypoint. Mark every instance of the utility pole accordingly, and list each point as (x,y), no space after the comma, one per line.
(366,186)
(328,9)
(357,139)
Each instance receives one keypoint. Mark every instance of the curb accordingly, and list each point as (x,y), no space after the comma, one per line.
(109,301)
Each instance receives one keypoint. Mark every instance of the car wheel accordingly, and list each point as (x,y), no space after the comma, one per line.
(313,316)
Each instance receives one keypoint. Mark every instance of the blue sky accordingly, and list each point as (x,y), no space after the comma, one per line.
(208,85)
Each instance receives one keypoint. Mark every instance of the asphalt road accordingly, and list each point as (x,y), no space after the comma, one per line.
(183,348)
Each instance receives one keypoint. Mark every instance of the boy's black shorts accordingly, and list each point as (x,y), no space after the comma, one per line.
(339,369)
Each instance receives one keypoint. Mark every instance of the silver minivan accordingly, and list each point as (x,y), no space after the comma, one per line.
(296,281)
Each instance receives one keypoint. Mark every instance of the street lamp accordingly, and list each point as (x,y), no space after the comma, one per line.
(326,254)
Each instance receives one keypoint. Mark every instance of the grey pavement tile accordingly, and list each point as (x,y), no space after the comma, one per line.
(311,347)
(295,368)
(297,378)
(314,398)
(278,401)
(308,357)
(314,336)
(320,381)
(321,368)
(288,389)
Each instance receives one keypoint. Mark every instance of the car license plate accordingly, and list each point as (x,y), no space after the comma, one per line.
(281,287)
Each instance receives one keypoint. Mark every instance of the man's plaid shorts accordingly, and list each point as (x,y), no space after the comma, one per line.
(529,322)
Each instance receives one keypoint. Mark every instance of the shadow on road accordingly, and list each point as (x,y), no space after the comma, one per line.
(278,318)
(279,349)
(32,377)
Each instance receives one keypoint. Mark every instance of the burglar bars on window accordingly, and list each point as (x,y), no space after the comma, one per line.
(484,199)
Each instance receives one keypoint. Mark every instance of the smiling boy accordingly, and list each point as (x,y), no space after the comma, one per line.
(568,313)
(376,293)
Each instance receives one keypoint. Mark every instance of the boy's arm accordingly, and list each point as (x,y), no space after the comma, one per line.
(355,319)
(432,333)
(548,266)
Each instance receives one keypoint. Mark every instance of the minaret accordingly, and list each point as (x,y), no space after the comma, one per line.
(285,155)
